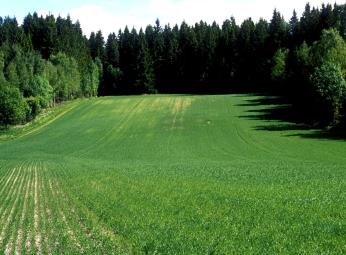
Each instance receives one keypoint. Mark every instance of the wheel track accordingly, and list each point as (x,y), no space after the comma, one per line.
(172,127)
(217,146)
(118,127)
(123,125)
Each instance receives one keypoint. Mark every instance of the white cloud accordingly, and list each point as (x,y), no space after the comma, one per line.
(112,15)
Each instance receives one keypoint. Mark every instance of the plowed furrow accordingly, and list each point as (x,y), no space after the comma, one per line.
(50,231)
(43,215)
(9,188)
(19,215)
(10,210)
(27,241)
(6,178)
(18,248)
(36,216)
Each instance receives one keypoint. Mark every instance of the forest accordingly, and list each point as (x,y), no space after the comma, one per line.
(47,60)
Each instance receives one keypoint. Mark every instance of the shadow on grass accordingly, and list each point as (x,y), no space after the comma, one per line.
(279,115)
(322,135)
(4,128)
(263,99)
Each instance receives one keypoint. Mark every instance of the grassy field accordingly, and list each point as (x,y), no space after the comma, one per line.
(171,175)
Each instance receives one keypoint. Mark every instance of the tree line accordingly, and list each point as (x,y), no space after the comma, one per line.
(47,60)
(44,61)
(301,59)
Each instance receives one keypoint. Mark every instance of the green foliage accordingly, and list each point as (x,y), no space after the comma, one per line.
(303,55)
(330,48)
(91,81)
(40,87)
(279,65)
(12,75)
(331,85)
(68,83)
(12,106)
(42,82)
(34,107)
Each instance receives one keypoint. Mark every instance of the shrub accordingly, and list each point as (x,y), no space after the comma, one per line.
(34,107)
(12,105)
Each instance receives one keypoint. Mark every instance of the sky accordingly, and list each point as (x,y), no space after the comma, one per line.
(112,15)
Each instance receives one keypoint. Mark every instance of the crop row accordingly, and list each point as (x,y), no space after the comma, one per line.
(38,217)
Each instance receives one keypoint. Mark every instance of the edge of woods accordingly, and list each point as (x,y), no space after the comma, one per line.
(44,119)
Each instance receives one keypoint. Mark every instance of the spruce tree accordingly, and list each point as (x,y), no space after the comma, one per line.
(145,77)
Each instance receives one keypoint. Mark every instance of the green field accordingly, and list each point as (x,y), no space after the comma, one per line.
(171,175)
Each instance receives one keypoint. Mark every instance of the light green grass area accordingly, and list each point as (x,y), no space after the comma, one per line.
(171,175)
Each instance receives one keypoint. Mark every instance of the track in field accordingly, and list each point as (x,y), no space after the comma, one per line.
(37,217)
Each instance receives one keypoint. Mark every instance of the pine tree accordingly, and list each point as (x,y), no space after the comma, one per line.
(228,51)
(145,77)
(278,32)
(96,45)
(112,51)
(111,73)
(170,68)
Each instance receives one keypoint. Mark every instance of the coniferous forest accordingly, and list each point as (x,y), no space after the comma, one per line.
(47,60)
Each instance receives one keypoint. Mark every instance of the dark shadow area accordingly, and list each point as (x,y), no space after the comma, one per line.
(283,127)
(332,134)
(286,117)
(264,99)
(4,128)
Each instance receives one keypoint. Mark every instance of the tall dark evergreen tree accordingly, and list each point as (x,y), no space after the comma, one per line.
(96,45)
(188,73)
(145,76)
(278,32)
(112,73)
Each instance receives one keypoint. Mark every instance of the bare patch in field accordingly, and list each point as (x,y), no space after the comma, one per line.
(180,105)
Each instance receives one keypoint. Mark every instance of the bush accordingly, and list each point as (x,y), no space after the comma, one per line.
(12,105)
(34,107)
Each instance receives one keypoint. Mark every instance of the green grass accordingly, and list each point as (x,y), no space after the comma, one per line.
(171,175)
